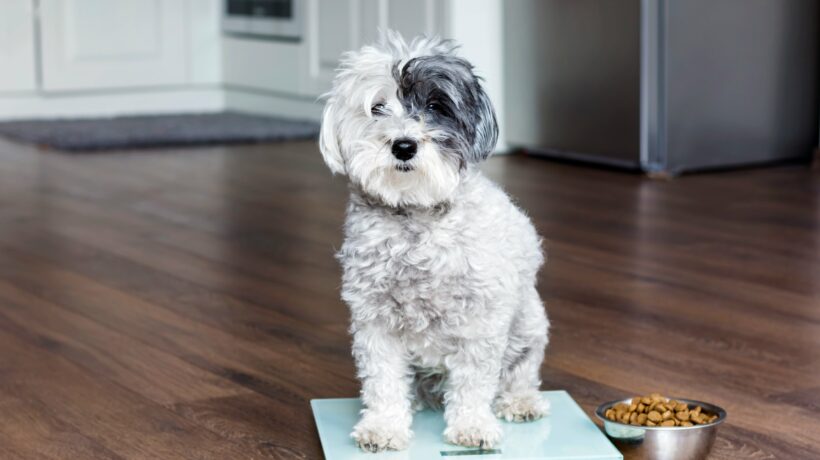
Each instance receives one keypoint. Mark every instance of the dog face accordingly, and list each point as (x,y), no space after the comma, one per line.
(403,121)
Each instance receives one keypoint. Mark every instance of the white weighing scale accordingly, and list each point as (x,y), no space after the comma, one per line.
(566,434)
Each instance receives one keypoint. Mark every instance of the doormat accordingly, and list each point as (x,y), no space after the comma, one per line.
(135,132)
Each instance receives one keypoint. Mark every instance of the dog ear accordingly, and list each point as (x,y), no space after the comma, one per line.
(328,138)
(486,125)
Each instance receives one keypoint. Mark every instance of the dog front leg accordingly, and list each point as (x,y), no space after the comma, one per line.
(472,383)
(384,372)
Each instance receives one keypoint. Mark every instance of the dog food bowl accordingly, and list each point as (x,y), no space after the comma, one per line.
(663,443)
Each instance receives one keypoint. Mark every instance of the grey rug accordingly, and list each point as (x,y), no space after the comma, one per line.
(157,131)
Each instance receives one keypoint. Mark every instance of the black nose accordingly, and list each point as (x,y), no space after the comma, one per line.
(404,149)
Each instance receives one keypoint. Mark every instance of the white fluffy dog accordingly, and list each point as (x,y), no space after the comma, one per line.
(439,265)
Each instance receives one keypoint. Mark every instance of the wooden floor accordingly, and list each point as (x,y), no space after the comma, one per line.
(184,304)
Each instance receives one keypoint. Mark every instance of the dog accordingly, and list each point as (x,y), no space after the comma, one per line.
(439,266)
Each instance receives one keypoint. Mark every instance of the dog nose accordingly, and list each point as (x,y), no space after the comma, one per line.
(404,149)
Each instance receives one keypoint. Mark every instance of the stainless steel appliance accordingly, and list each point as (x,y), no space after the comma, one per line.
(281,19)
(666,86)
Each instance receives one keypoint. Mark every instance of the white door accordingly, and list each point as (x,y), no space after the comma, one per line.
(102,44)
(17,46)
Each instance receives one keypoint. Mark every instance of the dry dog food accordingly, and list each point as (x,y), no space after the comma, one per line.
(656,410)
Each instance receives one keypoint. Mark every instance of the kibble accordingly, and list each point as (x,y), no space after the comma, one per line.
(656,410)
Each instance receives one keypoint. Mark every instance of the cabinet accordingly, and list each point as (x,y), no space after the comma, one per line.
(104,57)
(17,46)
(101,44)
(304,69)
(285,77)
(335,26)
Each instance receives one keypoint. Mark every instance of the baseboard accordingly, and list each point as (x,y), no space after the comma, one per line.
(264,103)
(132,102)
(581,157)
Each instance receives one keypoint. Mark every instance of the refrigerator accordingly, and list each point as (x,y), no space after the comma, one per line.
(663,86)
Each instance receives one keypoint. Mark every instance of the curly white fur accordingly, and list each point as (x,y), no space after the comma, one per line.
(439,265)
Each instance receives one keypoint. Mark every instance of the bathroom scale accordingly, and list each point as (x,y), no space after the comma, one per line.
(567,433)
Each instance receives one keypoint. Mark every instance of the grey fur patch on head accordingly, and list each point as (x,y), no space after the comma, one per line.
(443,91)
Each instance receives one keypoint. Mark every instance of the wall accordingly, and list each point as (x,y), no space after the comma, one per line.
(17,27)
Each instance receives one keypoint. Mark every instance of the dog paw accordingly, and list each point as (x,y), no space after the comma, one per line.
(521,407)
(483,434)
(374,434)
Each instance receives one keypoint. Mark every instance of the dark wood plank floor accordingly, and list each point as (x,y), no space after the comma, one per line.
(184,304)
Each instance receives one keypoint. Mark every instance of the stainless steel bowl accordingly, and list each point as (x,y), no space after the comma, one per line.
(663,443)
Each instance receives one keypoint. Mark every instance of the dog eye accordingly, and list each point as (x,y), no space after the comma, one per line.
(435,107)
(377,109)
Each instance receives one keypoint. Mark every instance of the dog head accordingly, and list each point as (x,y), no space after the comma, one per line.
(404,121)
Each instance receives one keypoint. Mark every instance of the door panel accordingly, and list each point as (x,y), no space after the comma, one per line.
(341,25)
(410,17)
(336,23)
(93,44)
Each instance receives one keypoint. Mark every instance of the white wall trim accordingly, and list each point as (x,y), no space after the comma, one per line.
(150,101)
(86,104)
(270,103)
(478,26)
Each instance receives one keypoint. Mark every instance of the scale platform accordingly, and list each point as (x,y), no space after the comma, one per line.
(567,433)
